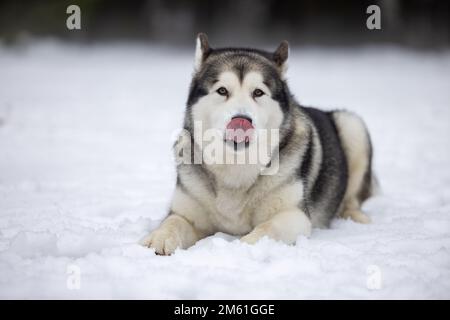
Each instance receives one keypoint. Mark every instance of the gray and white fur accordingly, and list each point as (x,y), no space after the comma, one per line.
(325,157)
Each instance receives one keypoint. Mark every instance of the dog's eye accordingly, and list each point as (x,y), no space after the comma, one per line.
(257,93)
(222,91)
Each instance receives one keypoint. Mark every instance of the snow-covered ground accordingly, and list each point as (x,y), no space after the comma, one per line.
(86,171)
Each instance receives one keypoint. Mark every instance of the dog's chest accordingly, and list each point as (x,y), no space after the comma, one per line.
(233,212)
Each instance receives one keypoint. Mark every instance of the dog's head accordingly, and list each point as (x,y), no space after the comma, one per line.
(238,91)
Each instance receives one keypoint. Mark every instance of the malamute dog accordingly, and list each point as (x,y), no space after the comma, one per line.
(323,158)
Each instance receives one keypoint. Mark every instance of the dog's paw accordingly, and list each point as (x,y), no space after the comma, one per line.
(165,242)
(357,216)
(261,231)
(252,237)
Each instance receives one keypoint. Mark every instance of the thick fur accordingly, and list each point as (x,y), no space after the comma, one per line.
(324,158)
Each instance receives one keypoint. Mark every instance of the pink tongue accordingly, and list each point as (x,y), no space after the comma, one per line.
(239,130)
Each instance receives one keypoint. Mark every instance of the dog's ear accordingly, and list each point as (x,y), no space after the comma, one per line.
(281,55)
(202,50)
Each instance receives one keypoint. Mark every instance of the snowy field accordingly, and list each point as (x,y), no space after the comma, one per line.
(86,171)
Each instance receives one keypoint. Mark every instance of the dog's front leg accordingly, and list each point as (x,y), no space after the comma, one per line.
(174,232)
(284,226)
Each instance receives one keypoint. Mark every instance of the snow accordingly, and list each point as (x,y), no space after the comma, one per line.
(86,170)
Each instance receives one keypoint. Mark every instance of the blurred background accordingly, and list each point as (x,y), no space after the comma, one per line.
(88,118)
(412,23)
